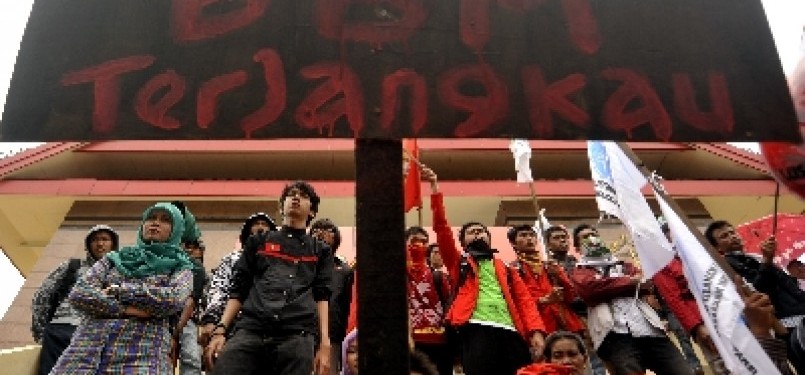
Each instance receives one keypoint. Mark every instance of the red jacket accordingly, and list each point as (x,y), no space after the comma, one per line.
(594,289)
(521,306)
(673,288)
(555,315)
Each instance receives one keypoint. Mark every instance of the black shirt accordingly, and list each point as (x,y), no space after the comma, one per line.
(280,281)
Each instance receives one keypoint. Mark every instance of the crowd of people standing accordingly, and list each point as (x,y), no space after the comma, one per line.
(285,303)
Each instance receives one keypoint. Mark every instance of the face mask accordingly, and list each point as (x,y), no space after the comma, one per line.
(416,253)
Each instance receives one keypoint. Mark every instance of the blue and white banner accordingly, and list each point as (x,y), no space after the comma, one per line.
(719,303)
(617,185)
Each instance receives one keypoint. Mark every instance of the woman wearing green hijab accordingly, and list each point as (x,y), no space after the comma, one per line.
(131,297)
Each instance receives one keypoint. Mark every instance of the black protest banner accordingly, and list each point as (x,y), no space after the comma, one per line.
(683,70)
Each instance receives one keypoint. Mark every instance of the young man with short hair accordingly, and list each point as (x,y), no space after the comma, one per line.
(54,319)
(547,282)
(498,322)
(783,290)
(626,332)
(326,231)
(557,243)
(282,291)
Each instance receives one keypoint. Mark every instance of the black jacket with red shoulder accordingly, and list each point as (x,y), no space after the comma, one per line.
(279,279)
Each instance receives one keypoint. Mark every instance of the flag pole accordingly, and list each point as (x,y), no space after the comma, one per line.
(720,261)
(776,201)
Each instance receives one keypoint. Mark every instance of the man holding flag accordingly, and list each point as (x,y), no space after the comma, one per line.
(716,295)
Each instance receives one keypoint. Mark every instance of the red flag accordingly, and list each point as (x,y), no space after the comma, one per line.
(413,188)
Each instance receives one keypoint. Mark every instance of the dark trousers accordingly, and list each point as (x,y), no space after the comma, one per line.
(487,350)
(248,352)
(55,339)
(440,354)
(628,355)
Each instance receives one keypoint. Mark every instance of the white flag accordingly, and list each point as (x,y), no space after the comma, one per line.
(521,150)
(719,302)
(622,181)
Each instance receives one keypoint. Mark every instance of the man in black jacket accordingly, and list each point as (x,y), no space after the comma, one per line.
(343,276)
(783,290)
(281,288)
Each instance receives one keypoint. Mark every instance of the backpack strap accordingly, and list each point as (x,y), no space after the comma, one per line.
(65,285)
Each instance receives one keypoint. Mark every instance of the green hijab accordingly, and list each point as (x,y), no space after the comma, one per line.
(146,259)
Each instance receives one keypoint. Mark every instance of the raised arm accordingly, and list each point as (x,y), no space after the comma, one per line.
(444,233)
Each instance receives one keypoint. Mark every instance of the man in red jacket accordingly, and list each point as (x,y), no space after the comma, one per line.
(496,317)
(548,283)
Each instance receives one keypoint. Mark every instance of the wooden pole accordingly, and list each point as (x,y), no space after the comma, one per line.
(776,203)
(380,221)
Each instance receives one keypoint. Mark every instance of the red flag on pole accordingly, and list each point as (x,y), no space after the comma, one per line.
(413,189)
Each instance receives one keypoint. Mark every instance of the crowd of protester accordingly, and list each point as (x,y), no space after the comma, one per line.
(285,303)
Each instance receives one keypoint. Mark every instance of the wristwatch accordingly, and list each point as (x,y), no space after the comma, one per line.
(219,325)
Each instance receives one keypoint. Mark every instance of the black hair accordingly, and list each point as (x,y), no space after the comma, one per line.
(327,224)
(511,234)
(577,230)
(551,340)
(470,224)
(415,230)
(714,226)
(308,190)
(553,228)
(429,251)
(102,228)
(422,364)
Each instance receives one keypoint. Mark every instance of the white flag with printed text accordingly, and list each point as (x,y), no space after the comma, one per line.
(719,303)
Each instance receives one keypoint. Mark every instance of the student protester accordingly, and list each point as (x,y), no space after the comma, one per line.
(557,242)
(282,290)
(130,299)
(496,317)
(221,281)
(54,319)
(684,318)
(764,275)
(343,275)
(547,282)
(565,354)
(427,299)
(626,332)
(783,290)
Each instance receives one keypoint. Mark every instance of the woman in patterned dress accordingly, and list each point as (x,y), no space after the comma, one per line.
(130,299)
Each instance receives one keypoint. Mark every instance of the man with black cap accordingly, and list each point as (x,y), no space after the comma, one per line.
(221,281)
(325,230)
(54,319)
